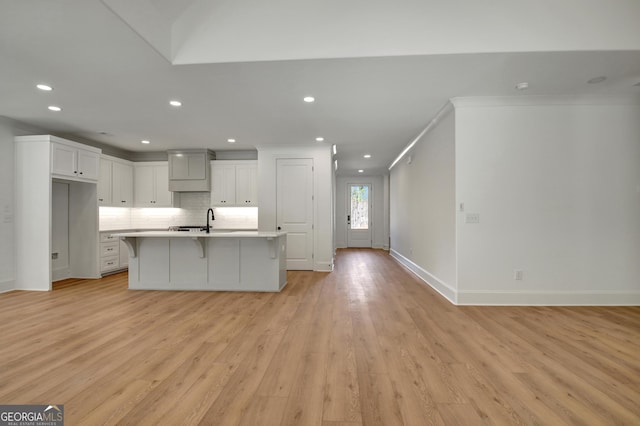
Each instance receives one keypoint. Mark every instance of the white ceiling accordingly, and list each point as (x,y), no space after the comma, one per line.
(109,78)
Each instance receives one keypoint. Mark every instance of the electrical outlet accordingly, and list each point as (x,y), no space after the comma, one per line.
(472,218)
(518,274)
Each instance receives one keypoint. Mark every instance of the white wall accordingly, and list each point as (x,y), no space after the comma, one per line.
(323,196)
(422,197)
(380,238)
(557,188)
(8,130)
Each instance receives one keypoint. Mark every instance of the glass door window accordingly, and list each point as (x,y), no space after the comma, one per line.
(359,207)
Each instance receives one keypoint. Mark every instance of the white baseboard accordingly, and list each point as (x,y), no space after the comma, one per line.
(565,298)
(8,285)
(434,282)
(374,246)
(33,289)
(521,298)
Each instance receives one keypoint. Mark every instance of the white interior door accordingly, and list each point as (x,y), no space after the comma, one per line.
(294,214)
(359,215)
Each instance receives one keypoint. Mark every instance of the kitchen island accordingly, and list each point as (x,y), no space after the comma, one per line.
(217,261)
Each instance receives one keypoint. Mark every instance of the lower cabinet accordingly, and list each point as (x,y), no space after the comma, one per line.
(114,255)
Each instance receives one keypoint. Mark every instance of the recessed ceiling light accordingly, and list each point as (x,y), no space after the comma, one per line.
(360,171)
(309,99)
(335,149)
(367,156)
(231,140)
(522,86)
(319,139)
(54,108)
(175,103)
(44,87)
(146,142)
(596,80)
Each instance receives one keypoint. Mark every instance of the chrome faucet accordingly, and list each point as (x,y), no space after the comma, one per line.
(212,218)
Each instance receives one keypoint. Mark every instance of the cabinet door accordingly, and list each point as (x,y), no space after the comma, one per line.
(144,183)
(163,197)
(247,185)
(64,160)
(122,191)
(223,185)
(88,164)
(104,183)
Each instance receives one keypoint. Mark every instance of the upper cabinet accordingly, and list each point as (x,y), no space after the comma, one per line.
(234,183)
(104,182)
(223,183)
(247,184)
(73,160)
(122,184)
(152,185)
(115,185)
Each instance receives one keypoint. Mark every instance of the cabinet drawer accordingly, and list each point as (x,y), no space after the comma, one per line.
(111,248)
(106,237)
(109,262)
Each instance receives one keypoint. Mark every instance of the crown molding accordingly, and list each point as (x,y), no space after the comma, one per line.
(444,110)
(495,101)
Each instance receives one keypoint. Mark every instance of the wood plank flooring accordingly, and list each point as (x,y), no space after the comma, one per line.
(368,344)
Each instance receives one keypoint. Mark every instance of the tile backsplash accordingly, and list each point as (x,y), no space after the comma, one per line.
(192,211)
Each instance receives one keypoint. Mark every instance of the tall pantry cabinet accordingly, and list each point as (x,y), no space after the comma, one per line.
(40,162)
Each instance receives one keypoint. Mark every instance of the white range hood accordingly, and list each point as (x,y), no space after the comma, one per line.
(189,170)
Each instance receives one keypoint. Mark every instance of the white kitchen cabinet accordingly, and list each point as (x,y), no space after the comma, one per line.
(247,184)
(115,183)
(104,183)
(76,161)
(223,184)
(151,188)
(114,255)
(122,184)
(234,183)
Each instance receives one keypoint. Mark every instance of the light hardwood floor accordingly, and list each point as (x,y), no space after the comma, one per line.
(367,344)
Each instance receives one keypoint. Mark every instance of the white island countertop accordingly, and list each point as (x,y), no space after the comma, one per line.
(193,234)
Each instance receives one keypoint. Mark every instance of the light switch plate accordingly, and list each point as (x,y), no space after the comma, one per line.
(472,218)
